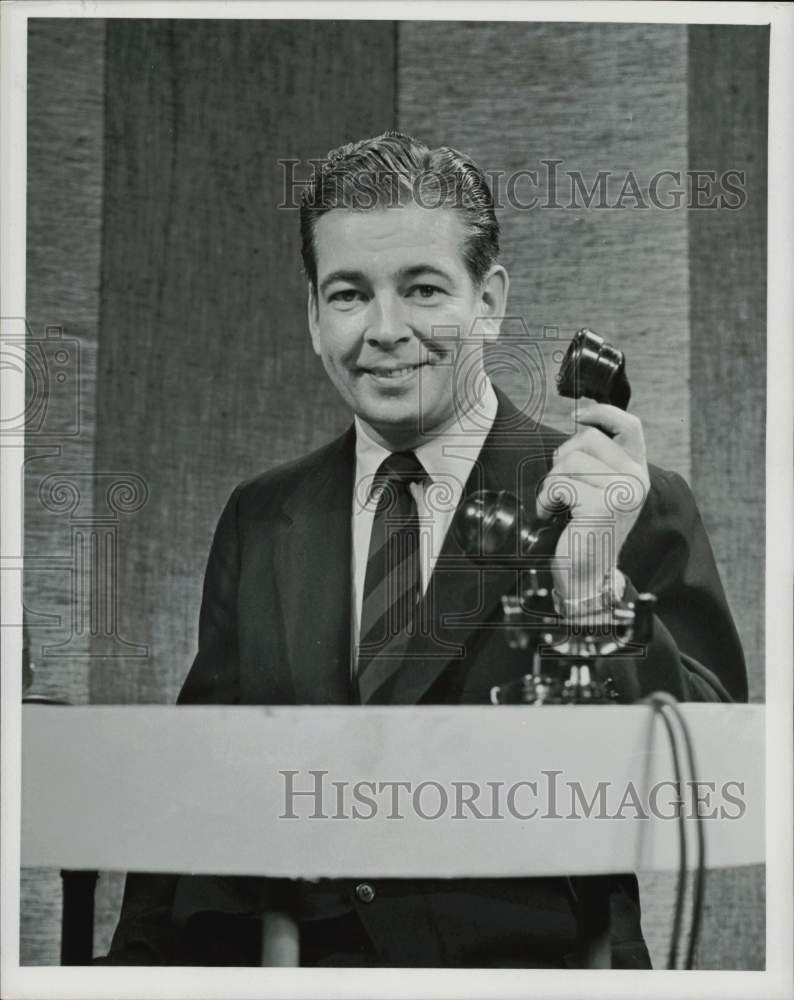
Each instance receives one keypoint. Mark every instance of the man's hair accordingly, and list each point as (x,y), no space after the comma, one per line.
(389,169)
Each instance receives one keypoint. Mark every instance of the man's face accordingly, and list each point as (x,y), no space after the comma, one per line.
(393,318)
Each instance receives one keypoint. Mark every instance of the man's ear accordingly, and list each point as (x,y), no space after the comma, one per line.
(313,315)
(493,300)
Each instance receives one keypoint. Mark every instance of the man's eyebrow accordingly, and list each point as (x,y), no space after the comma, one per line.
(353,277)
(350,276)
(416,269)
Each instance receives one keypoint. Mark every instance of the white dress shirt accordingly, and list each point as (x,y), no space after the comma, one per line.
(448,460)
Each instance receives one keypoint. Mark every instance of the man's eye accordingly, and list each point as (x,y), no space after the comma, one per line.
(346,296)
(426,292)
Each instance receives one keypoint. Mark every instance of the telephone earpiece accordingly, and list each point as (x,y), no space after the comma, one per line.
(592,367)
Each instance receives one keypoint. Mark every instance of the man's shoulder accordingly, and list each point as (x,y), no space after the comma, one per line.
(270,489)
(670,493)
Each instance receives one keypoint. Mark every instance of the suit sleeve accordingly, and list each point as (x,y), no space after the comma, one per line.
(695,653)
(214,677)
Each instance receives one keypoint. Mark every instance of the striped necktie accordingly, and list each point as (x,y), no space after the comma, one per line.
(392,586)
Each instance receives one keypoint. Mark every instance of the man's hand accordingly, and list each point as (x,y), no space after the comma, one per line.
(601,473)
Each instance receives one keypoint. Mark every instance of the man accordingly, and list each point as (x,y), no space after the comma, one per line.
(342,578)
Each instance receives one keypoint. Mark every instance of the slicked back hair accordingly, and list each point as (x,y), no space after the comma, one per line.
(392,170)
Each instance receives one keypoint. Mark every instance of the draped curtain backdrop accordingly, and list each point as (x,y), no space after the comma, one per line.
(163,243)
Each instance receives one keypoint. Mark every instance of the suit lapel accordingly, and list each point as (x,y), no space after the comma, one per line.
(462,594)
(313,577)
(313,556)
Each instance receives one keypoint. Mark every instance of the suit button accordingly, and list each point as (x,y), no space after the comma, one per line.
(365,893)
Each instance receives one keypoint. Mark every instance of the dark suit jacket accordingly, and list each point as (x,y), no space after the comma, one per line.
(275,629)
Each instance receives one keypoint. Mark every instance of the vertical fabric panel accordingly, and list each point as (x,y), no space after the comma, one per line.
(728,77)
(207,372)
(64,216)
(596,97)
(728,94)
(64,223)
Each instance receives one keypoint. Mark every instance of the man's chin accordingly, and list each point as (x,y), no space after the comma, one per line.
(392,430)
(401,430)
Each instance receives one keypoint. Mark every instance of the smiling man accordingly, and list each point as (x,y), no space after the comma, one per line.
(400,246)
(389,284)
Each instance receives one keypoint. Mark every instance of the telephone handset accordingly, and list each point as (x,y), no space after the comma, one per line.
(494,523)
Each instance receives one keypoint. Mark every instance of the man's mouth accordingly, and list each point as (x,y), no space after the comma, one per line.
(392,373)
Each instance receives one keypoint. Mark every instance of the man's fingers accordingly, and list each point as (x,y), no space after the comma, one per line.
(555,494)
(593,473)
(593,442)
(577,463)
(585,492)
(583,483)
(625,428)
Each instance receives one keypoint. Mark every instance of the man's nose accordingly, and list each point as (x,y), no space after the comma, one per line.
(388,321)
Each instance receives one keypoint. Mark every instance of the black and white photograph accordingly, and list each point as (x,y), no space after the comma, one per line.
(397,502)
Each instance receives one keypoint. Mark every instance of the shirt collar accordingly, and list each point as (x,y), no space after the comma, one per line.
(447,456)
